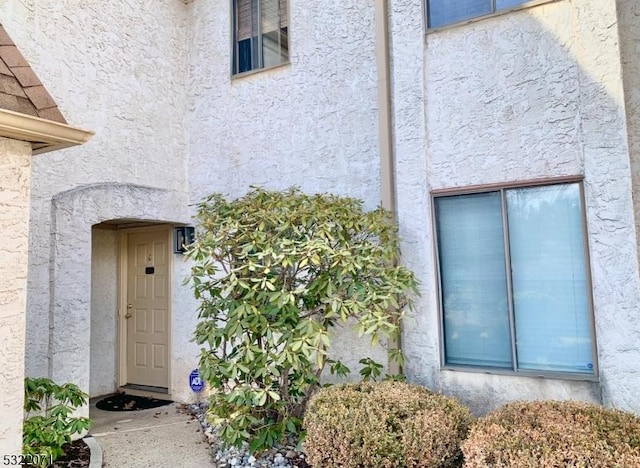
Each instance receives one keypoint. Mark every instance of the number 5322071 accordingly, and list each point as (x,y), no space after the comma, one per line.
(27,459)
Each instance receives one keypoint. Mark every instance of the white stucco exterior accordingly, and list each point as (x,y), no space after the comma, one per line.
(629,31)
(126,80)
(74,212)
(540,93)
(105,253)
(15,177)
(533,94)
(310,123)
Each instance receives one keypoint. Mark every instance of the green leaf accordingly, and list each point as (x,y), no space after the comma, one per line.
(273,273)
(46,432)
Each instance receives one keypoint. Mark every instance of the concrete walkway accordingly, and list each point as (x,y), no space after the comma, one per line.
(159,437)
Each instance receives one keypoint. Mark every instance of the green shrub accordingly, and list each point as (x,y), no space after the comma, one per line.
(554,434)
(384,425)
(49,423)
(273,272)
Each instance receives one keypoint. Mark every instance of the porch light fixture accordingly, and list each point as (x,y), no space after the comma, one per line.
(182,236)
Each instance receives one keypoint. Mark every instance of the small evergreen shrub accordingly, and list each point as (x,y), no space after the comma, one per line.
(384,425)
(554,434)
(274,272)
(49,422)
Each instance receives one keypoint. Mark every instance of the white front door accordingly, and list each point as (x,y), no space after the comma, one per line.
(147,314)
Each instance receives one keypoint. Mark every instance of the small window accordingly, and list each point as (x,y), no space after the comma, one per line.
(260,38)
(514,286)
(444,12)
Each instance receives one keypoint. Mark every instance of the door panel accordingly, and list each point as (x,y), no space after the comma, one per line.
(148,308)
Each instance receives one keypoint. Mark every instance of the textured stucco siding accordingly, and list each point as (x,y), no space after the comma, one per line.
(629,30)
(311,123)
(104,311)
(185,353)
(74,212)
(528,95)
(609,199)
(117,68)
(15,174)
(503,99)
(533,94)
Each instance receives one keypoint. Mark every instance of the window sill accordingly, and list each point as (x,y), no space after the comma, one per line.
(531,374)
(506,11)
(259,70)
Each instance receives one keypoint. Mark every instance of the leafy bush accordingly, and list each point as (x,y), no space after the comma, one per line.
(52,425)
(384,425)
(554,434)
(274,271)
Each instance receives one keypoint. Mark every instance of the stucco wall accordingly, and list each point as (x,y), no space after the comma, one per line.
(117,68)
(74,213)
(15,175)
(184,314)
(104,310)
(531,94)
(527,95)
(629,30)
(312,123)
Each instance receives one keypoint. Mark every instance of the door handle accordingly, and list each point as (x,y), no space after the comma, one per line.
(128,315)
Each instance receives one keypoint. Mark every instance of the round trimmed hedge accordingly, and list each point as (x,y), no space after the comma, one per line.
(554,434)
(384,425)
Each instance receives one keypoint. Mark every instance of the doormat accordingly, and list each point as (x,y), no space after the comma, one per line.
(124,402)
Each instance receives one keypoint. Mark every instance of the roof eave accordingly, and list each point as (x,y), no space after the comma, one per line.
(44,135)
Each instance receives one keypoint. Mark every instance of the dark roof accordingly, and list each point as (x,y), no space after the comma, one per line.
(20,89)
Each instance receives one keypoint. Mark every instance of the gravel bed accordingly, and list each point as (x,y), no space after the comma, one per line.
(286,456)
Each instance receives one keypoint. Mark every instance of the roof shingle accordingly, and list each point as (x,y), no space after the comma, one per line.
(20,89)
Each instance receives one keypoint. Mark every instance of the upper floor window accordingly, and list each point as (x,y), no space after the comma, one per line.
(443,12)
(514,281)
(260,38)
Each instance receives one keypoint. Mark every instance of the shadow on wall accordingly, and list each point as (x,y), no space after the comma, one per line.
(529,95)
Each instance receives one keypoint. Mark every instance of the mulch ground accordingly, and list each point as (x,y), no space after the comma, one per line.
(124,402)
(76,455)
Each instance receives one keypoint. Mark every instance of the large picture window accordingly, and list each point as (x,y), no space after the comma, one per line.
(514,285)
(260,38)
(443,12)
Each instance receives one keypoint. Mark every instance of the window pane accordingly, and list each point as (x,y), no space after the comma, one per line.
(549,280)
(272,48)
(504,4)
(244,56)
(284,13)
(244,19)
(273,38)
(474,286)
(244,53)
(270,17)
(443,12)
